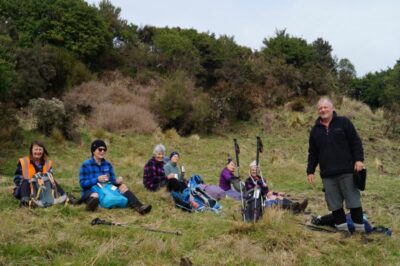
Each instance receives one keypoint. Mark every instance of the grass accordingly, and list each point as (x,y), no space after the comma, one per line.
(62,235)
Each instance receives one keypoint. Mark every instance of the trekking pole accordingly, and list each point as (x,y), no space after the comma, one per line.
(260,149)
(237,151)
(98,221)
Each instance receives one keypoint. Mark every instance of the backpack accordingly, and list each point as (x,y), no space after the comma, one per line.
(193,193)
(253,209)
(44,191)
(110,196)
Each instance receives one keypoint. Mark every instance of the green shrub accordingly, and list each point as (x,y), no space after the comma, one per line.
(53,115)
(173,103)
(48,114)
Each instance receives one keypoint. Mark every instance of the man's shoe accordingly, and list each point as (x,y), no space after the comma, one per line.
(144,209)
(316,220)
(92,204)
(303,205)
(295,208)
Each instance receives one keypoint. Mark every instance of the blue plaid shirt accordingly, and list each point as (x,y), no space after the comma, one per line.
(90,171)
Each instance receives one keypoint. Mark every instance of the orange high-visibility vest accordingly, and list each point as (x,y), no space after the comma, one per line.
(28,169)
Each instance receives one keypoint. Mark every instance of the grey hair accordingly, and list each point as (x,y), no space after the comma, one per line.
(159,148)
(253,163)
(325,99)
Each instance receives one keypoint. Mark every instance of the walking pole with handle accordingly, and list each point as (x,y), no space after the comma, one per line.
(237,151)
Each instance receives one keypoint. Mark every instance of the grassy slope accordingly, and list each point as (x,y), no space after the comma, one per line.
(207,239)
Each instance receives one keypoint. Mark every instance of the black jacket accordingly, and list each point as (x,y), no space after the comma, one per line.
(335,149)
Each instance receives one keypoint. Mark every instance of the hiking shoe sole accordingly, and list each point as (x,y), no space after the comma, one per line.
(92,204)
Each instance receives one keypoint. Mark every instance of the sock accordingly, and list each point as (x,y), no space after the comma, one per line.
(342,227)
(339,216)
(357,215)
(133,201)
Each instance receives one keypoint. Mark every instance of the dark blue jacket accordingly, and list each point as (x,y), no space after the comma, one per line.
(335,149)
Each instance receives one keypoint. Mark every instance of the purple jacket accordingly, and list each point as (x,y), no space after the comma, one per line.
(154,175)
(225,179)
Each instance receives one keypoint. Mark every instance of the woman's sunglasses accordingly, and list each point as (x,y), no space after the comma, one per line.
(102,149)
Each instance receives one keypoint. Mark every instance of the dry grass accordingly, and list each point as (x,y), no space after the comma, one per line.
(115,104)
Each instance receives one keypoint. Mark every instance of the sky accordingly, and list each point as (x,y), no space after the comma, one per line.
(367,32)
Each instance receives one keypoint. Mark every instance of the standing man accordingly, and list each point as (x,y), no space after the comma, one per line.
(335,145)
(98,170)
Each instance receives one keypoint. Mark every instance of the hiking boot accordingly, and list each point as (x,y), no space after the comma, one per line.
(295,208)
(303,205)
(72,200)
(92,204)
(144,209)
(25,201)
(316,220)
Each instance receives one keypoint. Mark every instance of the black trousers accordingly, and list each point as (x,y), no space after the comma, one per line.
(175,185)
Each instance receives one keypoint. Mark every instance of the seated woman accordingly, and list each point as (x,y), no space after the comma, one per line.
(36,163)
(172,185)
(227,178)
(174,175)
(154,176)
(271,198)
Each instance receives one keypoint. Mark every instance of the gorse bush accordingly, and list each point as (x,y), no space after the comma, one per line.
(50,115)
(178,104)
(115,103)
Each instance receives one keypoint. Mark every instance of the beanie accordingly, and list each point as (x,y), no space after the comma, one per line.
(173,154)
(96,144)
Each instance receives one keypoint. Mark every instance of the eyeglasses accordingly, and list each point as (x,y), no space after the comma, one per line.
(102,149)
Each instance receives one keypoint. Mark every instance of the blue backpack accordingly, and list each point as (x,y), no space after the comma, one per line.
(110,196)
(193,193)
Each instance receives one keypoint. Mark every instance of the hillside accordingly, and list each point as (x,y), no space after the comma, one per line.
(207,239)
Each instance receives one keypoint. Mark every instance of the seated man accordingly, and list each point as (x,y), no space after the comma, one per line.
(271,198)
(98,170)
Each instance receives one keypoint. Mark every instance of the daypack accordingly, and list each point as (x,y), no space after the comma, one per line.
(238,185)
(194,193)
(44,191)
(253,205)
(110,196)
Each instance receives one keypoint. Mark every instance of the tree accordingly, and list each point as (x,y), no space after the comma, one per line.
(295,51)
(71,24)
(323,54)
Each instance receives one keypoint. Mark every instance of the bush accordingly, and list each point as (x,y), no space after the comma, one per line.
(48,114)
(173,102)
(115,104)
(51,115)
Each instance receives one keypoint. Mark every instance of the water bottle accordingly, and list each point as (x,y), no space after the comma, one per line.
(183,171)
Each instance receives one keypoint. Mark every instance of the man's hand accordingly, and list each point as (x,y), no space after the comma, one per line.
(358,166)
(102,178)
(119,180)
(311,179)
(123,188)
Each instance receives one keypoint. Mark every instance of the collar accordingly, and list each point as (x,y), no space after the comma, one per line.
(93,161)
(318,121)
